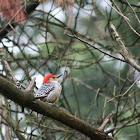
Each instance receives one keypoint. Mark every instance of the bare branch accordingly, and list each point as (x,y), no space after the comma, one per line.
(31,85)
(105,122)
(11,73)
(125,52)
(74,36)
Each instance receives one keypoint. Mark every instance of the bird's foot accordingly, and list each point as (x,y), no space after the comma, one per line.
(52,104)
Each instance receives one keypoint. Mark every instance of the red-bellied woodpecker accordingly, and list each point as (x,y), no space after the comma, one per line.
(51,88)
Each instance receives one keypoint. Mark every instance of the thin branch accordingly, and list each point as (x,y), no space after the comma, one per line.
(11,73)
(126,90)
(125,19)
(118,11)
(130,87)
(31,85)
(74,36)
(133,11)
(105,122)
(122,1)
(125,52)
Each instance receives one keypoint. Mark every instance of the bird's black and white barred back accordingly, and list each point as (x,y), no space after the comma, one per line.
(45,89)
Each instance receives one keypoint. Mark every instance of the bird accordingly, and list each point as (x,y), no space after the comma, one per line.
(51,88)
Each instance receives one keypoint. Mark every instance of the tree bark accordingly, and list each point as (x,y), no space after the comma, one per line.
(24,99)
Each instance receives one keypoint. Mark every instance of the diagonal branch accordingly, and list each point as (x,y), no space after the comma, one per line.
(86,42)
(125,54)
(11,73)
(26,99)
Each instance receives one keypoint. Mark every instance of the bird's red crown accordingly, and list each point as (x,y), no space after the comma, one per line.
(47,78)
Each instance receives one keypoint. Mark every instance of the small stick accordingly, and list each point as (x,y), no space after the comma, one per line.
(29,88)
(11,73)
(31,85)
(105,121)
(117,11)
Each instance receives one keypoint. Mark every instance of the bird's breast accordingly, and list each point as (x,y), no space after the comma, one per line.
(54,94)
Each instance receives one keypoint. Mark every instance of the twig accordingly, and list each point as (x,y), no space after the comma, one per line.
(90,87)
(119,127)
(122,1)
(125,19)
(74,36)
(70,18)
(130,87)
(105,121)
(119,41)
(126,90)
(117,11)
(31,85)
(133,11)
(11,73)
(77,102)
(104,109)
(125,52)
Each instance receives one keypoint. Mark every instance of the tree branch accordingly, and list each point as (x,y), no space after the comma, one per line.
(26,100)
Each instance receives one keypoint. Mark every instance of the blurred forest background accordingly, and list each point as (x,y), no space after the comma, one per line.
(73,38)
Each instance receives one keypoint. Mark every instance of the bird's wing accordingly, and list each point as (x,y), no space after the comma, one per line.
(45,89)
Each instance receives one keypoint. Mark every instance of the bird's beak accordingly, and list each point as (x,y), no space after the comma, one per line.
(59,75)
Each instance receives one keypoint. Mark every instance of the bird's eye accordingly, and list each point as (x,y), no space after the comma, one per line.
(53,77)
